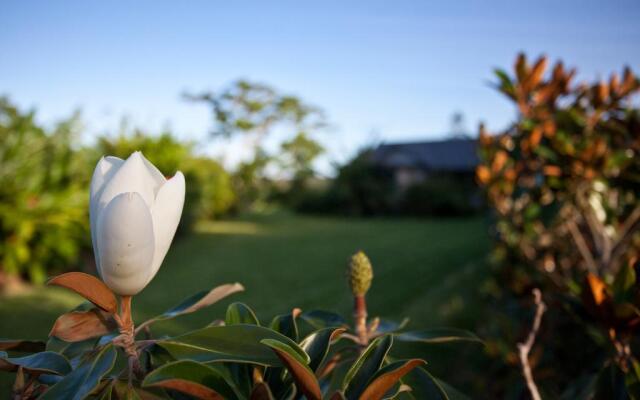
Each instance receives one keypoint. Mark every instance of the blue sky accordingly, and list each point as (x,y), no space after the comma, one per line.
(381,70)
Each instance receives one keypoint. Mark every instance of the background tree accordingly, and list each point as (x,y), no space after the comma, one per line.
(255,110)
(298,155)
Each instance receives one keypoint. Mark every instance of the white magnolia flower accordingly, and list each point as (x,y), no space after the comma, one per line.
(134,213)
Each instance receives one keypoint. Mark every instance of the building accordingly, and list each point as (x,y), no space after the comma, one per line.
(413,162)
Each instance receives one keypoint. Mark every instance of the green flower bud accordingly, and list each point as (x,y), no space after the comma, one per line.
(360,274)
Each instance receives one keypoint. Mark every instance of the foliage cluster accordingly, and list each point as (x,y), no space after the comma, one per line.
(564,184)
(43,201)
(93,353)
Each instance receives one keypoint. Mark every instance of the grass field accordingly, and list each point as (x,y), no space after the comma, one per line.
(427,270)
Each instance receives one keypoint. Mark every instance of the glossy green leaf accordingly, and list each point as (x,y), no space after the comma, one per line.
(106,393)
(303,376)
(191,377)
(316,345)
(286,324)
(46,362)
(438,335)
(85,378)
(386,326)
(323,319)
(196,302)
(234,343)
(26,346)
(366,366)
(240,313)
(424,386)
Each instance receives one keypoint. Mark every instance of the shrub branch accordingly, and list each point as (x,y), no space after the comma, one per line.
(524,348)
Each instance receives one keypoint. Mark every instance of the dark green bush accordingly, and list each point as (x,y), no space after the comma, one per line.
(441,195)
(360,188)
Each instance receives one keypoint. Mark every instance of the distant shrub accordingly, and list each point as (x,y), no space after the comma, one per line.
(363,188)
(211,190)
(441,195)
(43,201)
(360,188)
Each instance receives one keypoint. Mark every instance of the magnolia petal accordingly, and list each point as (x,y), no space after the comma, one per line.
(155,174)
(105,170)
(125,234)
(133,176)
(166,215)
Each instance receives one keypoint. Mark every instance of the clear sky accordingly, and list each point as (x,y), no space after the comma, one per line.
(382,70)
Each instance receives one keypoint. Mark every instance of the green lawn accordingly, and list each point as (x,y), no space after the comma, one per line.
(425,269)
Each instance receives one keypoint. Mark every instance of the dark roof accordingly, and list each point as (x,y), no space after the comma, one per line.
(454,155)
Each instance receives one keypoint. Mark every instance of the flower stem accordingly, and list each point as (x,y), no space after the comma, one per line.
(127,335)
(360,319)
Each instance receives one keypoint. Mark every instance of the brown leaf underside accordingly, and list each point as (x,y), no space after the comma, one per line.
(382,384)
(191,388)
(305,380)
(89,287)
(77,326)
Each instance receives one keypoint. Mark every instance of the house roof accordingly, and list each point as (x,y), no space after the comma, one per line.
(453,155)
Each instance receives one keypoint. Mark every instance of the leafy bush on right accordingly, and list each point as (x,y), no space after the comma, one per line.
(564,182)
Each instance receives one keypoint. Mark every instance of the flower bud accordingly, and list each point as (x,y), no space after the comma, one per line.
(134,213)
(360,274)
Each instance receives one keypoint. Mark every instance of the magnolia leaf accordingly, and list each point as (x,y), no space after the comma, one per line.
(286,324)
(25,346)
(302,375)
(438,335)
(399,393)
(316,345)
(597,289)
(46,362)
(366,366)
(77,326)
(385,379)
(107,392)
(240,313)
(233,343)
(323,319)
(79,383)
(385,326)
(192,378)
(122,391)
(71,350)
(196,302)
(425,386)
(261,391)
(89,287)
